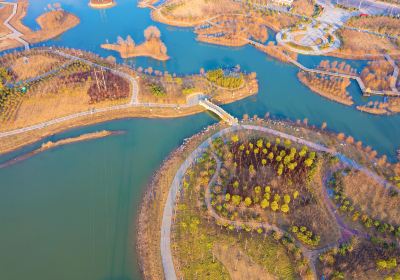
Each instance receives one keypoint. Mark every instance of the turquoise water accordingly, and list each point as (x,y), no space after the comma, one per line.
(69,213)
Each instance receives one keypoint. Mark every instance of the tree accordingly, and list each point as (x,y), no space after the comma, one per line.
(260,143)
(129,41)
(235,138)
(227,197)
(120,41)
(264,203)
(274,206)
(286,198)
(152,32)
(247,201)
(308,162)
(285,208)
(236,184)
(295,194)
(236,199)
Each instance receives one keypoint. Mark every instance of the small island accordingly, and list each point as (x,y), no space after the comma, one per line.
(152,46)
(52,24)
(102,4)
(272,199)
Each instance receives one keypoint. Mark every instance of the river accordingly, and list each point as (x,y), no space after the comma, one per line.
(69,213)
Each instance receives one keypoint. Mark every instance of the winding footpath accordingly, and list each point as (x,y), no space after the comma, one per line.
(165,242)
(15,35)
(133,101)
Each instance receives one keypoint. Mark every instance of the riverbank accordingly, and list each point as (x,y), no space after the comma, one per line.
(152,205)
(51,145)
(150,221)
(14,142)
(52,24)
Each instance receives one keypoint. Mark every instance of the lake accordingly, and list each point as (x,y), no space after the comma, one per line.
(69,213)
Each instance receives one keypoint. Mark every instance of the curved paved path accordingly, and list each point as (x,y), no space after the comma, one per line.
(133,101)
(15,35)
(165,242)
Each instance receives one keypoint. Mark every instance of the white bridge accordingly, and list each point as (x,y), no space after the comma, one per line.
(219,112)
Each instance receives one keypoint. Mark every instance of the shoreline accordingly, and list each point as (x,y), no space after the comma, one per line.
(133,53)
(149,219)
(15,142)
(153,201)
(322,93)
(49,22)
(102,6)
(62,142)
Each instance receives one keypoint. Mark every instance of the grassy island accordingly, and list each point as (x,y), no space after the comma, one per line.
(275,199)
(43,91)
(152,47)
(52,24)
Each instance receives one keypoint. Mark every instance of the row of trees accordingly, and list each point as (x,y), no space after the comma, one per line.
(347,207)
(219,78)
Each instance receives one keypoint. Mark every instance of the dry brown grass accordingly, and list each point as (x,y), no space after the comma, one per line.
(279,21)
(359,43)
(5,11)
(381,24)
(16,21)
(372,198)
(52,24)
(239,265)
(303,7)
(152,48)
(11,143)
(9,44)
(42,105)
(38,64)
(195,9)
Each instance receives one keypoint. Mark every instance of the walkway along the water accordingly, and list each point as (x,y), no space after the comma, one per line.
(15,35)
(364,89)
(225,116)
(165,242)
(134,101)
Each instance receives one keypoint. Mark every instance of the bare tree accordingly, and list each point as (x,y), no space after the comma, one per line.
(152,32)
(130,41)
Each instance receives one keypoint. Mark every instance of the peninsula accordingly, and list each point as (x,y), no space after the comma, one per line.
(152,46)
(52,24)
(245,199)
(66,88)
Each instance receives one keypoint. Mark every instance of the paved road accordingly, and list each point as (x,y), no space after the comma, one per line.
(15,35)
(165,243)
